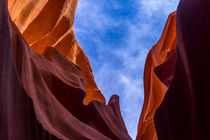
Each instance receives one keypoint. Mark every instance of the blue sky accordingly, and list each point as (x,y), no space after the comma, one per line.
(116,35)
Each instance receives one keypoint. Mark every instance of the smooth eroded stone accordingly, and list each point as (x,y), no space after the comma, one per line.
(154,89)
(184,113)
(42,95)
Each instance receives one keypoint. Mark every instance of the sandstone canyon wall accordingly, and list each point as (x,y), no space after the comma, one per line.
(45,23)
(42,95)
(176,78)
(154,88)
(184,113)
(48,92)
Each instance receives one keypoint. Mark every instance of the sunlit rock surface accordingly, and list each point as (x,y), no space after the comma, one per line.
(154,89)
(184,113)
(45,23)
(45,77)
(41,96)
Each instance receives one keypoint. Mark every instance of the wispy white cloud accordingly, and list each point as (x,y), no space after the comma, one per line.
(92,17)
(132,96)
(122,71)
(152,6)
(130,89)
(133,55)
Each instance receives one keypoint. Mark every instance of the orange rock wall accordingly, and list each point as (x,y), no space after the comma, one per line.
(46,23)
(154,89)
(184,113)
(41,96)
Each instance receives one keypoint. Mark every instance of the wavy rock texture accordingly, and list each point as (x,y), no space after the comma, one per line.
(46,23)
(43,91)
(154,89)
(184,113)
(41,96)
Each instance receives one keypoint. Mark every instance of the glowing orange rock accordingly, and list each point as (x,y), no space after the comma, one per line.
(46,23)
(41,96)
(154,89)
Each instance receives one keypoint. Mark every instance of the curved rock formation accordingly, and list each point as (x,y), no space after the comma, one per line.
(43,91)
(41,96)
(154,89)
(46,23)
(184,113)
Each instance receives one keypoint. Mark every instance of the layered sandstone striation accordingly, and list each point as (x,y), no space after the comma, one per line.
(154,88)
(184,113)
(45,23)
(48,92)
(176,78)
(42,95)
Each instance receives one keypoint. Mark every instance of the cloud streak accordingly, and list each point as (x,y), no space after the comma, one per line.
(116,36)
(152,6)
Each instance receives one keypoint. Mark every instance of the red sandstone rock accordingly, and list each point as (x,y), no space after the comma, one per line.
(154,89)
(184,113)
(46,23)
(41,96)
